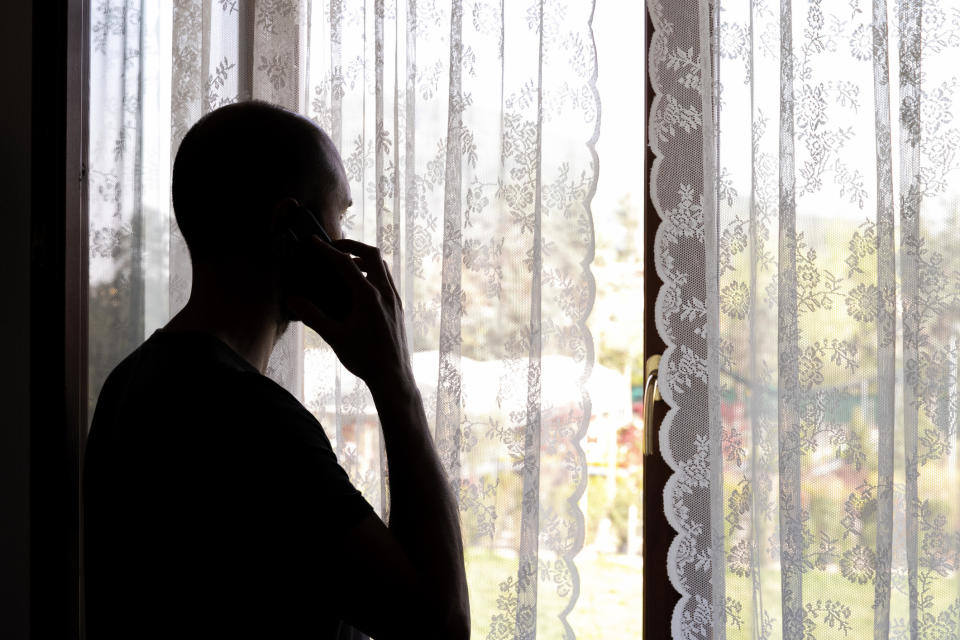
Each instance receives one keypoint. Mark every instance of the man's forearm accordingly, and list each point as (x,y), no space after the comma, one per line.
(424,516)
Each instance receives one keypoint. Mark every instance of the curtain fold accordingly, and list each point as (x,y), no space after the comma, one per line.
(809,198)
(466,130)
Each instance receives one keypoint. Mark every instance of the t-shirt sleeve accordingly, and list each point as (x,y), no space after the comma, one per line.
(311,483)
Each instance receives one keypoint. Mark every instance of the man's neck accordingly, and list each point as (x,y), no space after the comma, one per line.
(245,323)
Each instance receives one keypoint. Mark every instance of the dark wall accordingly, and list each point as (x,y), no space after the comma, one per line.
(42,316)
(15,161)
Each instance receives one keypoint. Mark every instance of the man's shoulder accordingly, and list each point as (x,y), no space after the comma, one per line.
(198,377)
(260,400)
(257,390)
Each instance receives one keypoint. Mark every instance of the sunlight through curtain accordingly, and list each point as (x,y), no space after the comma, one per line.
(806,177)
(466,129)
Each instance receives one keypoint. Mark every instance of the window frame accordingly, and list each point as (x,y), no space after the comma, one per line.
(659,597)
(59,334)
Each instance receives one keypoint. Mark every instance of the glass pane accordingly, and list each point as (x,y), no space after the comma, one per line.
(129,168)
(610,566)
(135,284)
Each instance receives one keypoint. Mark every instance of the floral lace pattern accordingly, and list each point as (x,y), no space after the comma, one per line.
(811,304)
(466,130)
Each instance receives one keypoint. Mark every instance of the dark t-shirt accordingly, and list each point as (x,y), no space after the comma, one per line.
(212,499)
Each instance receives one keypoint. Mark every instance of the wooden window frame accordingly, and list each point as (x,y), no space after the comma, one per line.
(659,596)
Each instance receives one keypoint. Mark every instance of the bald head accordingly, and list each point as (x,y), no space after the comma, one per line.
(236,163)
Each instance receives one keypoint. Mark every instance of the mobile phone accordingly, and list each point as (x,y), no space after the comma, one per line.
(305,273)
(304,224)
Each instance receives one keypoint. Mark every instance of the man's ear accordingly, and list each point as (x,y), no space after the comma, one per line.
(280,214)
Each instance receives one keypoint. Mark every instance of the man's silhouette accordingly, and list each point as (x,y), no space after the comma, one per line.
(214,504)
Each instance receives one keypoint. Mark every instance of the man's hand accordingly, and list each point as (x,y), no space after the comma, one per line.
(370,340)
(430,600)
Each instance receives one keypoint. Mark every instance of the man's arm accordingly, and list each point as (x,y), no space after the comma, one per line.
(424,516)
(415,581)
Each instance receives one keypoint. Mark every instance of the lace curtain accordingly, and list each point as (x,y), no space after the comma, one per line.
(467,130)
(806,177)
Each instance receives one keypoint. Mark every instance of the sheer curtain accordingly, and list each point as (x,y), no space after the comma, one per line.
(467,130)
(806,177)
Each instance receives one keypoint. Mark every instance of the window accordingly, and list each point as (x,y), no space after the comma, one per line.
(467,130)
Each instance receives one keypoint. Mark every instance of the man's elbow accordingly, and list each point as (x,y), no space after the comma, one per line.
(458,624)
(451,620)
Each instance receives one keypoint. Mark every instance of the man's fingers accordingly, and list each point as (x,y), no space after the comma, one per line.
(368,254)
(343,263)
(370,261)
(392,284)
(377,276)
(357,248)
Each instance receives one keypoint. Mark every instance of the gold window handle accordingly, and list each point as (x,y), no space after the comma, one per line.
(651,393)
